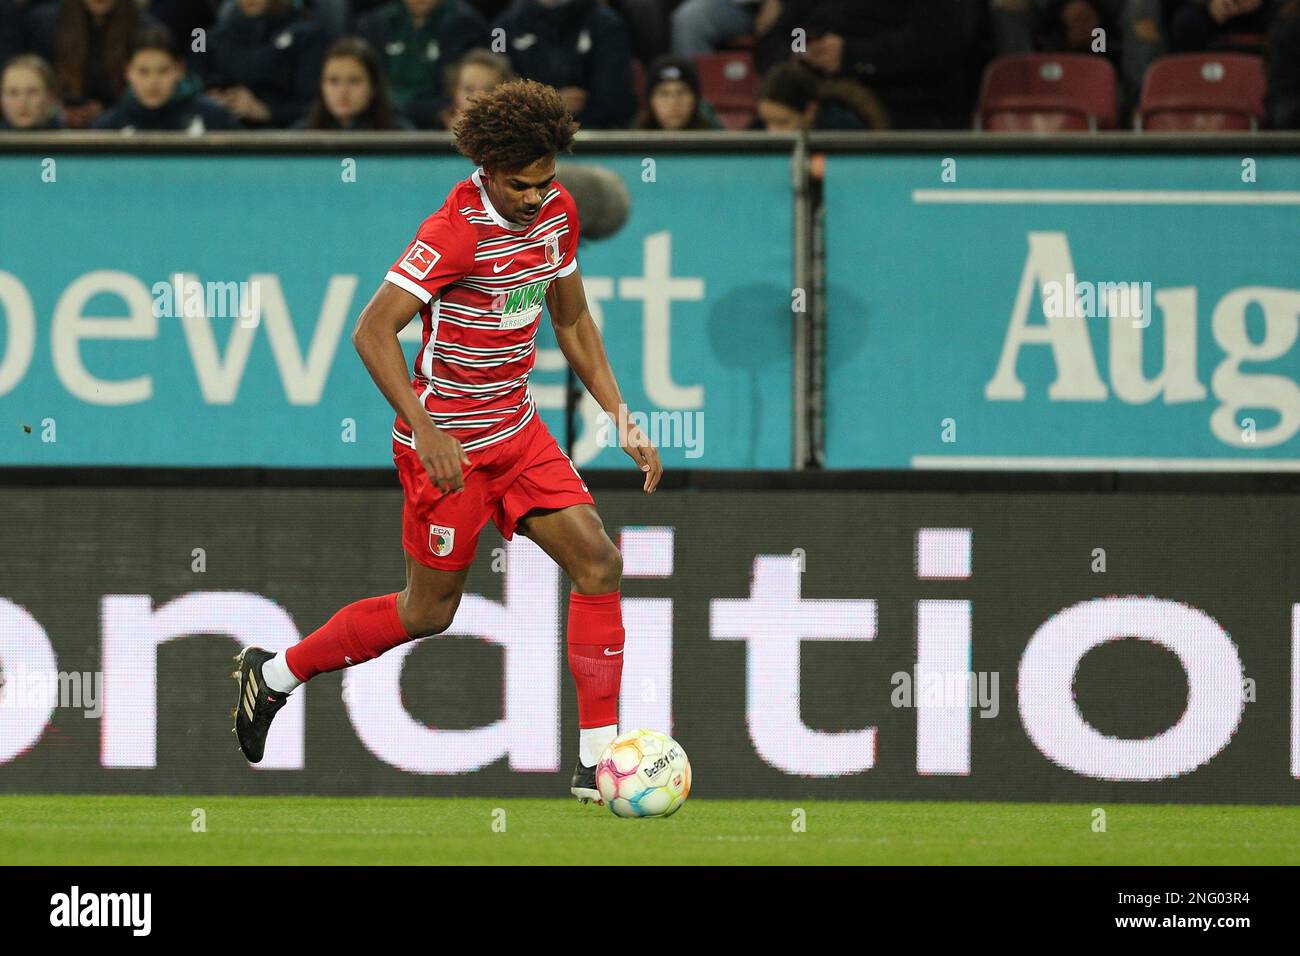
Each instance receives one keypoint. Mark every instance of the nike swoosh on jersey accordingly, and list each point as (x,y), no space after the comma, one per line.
(496,269)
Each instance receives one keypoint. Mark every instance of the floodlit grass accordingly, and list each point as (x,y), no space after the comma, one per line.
(78,830)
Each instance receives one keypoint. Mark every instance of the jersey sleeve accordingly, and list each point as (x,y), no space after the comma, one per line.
(441,252)
(570,260)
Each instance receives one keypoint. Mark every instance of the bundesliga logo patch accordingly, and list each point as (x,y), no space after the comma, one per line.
(420,259)
(441,540)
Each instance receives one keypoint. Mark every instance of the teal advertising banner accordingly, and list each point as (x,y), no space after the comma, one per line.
(693,297)
(1086,311)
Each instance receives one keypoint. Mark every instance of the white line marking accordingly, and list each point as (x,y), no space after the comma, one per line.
(1079,463)
(1106,197)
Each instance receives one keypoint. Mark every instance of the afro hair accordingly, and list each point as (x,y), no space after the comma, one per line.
(515,124)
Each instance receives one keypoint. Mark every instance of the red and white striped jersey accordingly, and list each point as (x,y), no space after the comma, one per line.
(483,281)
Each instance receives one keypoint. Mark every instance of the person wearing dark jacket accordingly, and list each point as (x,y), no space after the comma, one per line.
(914,55)
(581,48)
(418,41)
(353,92)
(1283,59)
(87,42)
(13,31)
(792,98)
(673,100)
(1195,25)
(182,18)
(263,63)
(155,99)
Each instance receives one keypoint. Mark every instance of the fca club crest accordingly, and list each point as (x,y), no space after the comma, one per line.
(553,250)
(441,540)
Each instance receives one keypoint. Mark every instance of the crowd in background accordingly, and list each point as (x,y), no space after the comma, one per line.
(197,65)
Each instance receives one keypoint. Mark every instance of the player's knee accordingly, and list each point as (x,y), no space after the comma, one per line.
(601,571)
(424,618)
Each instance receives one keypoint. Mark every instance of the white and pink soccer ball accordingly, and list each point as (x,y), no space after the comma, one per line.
(644,774)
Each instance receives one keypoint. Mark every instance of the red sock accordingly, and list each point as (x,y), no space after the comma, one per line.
(359,632)
(596,656)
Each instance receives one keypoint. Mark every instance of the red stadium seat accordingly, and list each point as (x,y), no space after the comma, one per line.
(1202,92)
(729,82)
(736,119)
(1047,93)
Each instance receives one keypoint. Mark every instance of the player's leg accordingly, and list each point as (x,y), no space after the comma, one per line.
(439,537)
(575,538)
(365,629)
(432,595)
(357,633)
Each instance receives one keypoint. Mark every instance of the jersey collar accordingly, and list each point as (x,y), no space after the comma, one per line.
(499,219)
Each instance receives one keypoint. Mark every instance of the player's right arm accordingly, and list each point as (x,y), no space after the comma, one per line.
(375,339)
(414,280)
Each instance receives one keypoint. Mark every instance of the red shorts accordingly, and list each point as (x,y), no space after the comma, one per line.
(504,481)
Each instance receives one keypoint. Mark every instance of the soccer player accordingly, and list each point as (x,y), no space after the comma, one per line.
(468,442)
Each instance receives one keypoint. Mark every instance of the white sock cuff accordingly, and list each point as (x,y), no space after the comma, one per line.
(592,742)
(277,675)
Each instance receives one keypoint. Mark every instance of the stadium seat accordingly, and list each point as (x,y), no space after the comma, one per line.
(737,119)
(729,82)
(1047,93)
(1202,92)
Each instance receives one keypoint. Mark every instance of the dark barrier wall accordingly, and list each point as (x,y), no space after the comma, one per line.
(1124,647)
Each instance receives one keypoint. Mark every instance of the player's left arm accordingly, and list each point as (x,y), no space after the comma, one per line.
(580,341)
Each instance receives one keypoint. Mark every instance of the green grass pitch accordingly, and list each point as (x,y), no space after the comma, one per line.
(83,830)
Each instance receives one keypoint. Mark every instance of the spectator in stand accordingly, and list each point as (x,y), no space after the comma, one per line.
(182,18)
(648,25)
(581,48)
(13,30)
(476,72)
(702,26)
(791,98)
(88,42)
(491,9)
(263,63)
(917,56)
(1283,61)
(418,39)
(331,17)
(27,96)
(1132,31)
(361,7)
(155,99)
(1195,24)
(673,97)
(353,92)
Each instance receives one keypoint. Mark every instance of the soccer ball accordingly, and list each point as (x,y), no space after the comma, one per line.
(644,774)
